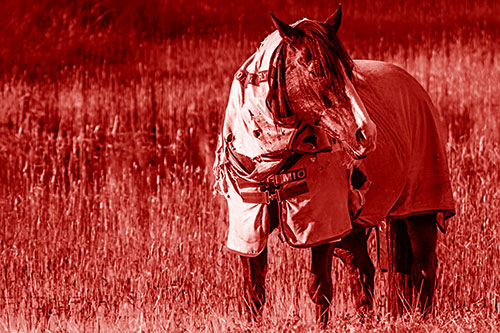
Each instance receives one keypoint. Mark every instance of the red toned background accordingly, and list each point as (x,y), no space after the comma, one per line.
(108,117)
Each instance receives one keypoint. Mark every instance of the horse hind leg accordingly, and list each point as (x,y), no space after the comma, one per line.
(254,275)
(353,252)
(400,263)
(412,243)
(320,283)
(422,231)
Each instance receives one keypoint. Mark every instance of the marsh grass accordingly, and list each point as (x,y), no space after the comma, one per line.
(108,221)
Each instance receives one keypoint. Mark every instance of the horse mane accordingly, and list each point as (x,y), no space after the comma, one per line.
(276,99)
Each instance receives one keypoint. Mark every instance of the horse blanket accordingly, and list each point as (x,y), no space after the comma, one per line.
(408,169)
(250,168)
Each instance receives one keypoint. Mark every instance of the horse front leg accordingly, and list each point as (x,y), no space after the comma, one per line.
(254,276)
(320,284)
(353,252)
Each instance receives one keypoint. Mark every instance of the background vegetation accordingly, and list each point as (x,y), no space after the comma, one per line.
(107,124)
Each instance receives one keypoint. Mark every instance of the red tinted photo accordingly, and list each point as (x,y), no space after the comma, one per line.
(268,166)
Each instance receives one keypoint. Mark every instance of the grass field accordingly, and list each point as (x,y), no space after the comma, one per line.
(107,217)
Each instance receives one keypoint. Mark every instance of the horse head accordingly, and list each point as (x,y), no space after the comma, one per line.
(318,81)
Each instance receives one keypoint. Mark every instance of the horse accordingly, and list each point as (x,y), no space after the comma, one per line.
(321,147)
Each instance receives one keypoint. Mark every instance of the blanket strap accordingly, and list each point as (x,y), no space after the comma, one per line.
(266,196)
(246,78)
(272,188)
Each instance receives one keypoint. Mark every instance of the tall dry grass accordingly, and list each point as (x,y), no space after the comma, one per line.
(107,218)
(40,38)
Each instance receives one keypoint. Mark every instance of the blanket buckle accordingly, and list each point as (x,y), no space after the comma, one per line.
(275,195)
(271,189)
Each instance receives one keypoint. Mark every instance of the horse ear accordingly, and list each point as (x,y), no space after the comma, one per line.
(334,20)
(287,32)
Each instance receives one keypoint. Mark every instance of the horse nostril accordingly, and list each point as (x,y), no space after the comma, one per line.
(360,135)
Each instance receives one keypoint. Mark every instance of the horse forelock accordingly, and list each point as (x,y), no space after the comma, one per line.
(323,44)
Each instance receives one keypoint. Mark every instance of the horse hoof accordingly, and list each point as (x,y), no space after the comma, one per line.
(322,315)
